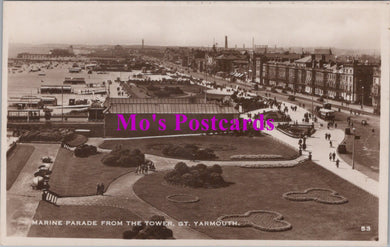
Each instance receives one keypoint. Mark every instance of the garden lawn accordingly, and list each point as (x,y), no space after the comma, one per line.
(16,162)
(46,211)
(224,146)
(262,189)
(74,176)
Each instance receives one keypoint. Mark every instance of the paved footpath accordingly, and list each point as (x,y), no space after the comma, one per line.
(120,194)
(22,200)
(320,149)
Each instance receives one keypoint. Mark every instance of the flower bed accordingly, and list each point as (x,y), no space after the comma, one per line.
(45,135)
(124,157)
(189,151)
(256,157)
(199,176)
(269,221)
(296,131)
(320,195)
(182,198)
(289,164)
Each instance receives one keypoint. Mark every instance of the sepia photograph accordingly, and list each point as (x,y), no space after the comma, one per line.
(195,123)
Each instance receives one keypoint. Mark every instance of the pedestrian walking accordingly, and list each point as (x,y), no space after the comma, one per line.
(330,143)
(326,136)
(334,156)
(330,156)
(304,146)
(329,136)
(300,141)
(335,125)
(337,163)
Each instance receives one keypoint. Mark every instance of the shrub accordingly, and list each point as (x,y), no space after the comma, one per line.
(216,168)
(85,150)
(200,167)
(124,157)
(143,231)
(198,176)
(110,160)
(181,168)
(204,154)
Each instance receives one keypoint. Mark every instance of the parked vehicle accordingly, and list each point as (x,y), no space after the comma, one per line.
(291,97)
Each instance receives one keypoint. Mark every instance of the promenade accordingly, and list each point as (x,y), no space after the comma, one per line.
(320,149)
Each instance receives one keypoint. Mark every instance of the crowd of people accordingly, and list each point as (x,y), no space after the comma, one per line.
(145,168)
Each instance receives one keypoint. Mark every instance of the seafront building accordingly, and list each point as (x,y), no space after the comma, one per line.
(318,72)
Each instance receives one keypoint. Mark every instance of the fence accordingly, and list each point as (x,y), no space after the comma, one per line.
(50,196)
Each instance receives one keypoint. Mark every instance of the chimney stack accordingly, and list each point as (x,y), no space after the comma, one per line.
(226,42)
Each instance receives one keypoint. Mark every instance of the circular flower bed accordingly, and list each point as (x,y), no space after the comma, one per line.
(182,198)
(269,221)
(320,195)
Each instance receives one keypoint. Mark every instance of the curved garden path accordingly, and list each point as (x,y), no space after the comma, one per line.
(120,193)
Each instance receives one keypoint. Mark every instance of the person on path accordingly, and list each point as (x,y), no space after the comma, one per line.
(146,169)
(326,136)
(330,156)
(98,189)
(330,143)
(334,156)
(329,136)
(337,163)
(101,189)
(335,125)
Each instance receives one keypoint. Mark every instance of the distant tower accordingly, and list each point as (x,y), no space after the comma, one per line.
(226,42)
(143,44)
(253,43)
(70,49)
(243,46)
(236,46)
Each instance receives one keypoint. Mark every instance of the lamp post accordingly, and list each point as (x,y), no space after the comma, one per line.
(312,100)
(62,103)
(353,149)
(362,97)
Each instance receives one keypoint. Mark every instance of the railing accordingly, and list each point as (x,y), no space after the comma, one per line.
(50,196)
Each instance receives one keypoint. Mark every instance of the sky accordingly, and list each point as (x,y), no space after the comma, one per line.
(352,25)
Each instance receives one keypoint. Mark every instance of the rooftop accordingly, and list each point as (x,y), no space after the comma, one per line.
(306,59)
(171,108)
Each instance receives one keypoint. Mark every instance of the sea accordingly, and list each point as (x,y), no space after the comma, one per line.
(22,82)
